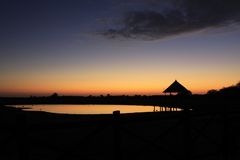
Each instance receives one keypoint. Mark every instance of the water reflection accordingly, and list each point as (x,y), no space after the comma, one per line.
(94,109)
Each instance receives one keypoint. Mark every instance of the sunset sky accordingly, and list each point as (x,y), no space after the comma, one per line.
(116,47)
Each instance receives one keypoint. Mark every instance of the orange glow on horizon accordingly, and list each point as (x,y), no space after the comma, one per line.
(120,83)
(98,90)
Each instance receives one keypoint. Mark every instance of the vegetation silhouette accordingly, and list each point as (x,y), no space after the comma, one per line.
(233,90)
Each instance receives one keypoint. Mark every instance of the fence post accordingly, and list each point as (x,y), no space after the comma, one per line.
(187,134)
(21,138)
(117,136)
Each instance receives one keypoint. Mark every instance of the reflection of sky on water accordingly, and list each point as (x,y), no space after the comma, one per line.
(92,109)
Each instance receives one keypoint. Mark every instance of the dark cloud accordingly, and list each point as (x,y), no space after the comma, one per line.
(183,16)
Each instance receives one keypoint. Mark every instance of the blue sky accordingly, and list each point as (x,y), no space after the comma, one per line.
(100,47)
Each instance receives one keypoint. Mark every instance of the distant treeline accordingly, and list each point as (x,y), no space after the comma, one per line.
(208,101)
(231,90)
(108,99)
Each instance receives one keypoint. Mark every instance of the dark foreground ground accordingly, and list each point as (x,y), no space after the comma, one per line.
(200,134)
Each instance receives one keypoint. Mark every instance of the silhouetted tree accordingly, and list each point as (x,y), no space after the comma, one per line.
(212,92)
(54,95)
(238,84)
(231,90)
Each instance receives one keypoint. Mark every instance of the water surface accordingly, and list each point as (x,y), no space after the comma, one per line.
(90,109)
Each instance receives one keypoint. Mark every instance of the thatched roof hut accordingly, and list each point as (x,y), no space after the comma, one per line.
(176,87)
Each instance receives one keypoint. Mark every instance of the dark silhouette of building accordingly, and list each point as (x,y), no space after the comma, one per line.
(176,87)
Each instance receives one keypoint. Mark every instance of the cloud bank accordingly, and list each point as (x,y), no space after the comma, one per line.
(181,17)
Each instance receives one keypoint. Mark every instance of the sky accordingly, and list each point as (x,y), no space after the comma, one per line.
(117,47)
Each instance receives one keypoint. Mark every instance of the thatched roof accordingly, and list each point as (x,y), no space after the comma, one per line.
(176,87)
